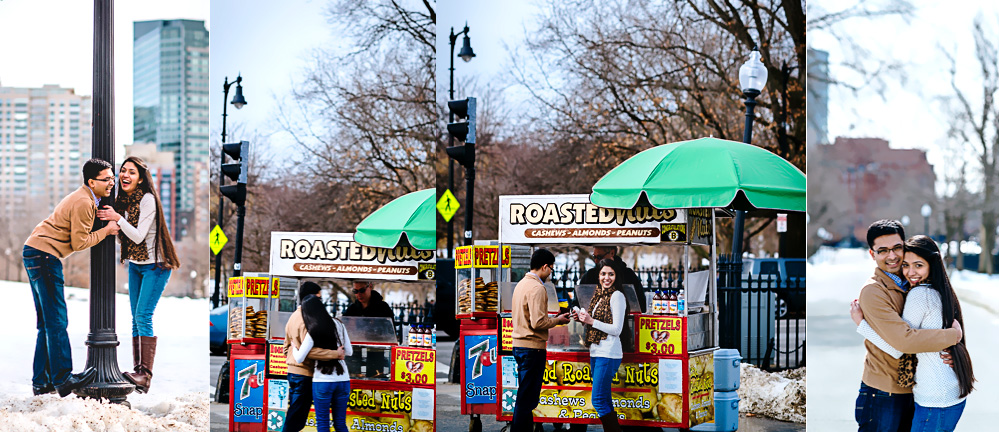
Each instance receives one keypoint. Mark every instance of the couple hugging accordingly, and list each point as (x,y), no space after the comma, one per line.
(917,372)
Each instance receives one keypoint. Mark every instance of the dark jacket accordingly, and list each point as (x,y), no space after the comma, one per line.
(626,276)
(376,308)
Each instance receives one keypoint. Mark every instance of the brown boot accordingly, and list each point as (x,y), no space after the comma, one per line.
(610,422)
(144,370)
(135,353)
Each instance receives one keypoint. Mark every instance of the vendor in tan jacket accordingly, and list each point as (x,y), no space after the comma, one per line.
(530,336)
(882,404)
(300,374)
(65,231)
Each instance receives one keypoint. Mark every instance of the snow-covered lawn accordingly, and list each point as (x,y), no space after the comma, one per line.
(836,351)
(178,399)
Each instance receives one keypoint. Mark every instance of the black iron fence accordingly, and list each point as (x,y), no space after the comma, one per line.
(763,316)
(404,314)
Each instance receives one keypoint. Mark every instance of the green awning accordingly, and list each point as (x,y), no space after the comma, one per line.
(411,215)
(705,172)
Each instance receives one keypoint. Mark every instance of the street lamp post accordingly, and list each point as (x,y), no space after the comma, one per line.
(238,101)
(752,79)
(926,211)
(102,375)
(466,54)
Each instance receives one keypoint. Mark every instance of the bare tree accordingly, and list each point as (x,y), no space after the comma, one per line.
(975,122)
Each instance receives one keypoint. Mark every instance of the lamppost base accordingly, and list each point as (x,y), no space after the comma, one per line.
(105,380)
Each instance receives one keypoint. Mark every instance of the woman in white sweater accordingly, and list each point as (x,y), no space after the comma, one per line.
(604,322)
(939,390)
(148,248)
(330,382)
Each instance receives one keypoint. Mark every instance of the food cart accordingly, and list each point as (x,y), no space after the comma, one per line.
(392,386)
(667,379)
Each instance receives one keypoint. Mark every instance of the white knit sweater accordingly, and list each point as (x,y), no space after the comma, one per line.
(936,383)
(610,347)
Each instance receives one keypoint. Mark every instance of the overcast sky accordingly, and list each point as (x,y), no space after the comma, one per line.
(911,114)
(51,42)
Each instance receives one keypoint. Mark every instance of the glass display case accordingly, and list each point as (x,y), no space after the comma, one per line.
(372,339)
(477,277)
(252,299)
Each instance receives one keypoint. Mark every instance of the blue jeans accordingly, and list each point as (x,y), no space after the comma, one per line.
(299,401)
(603,370)
(145,286)
(936,419)
(329,396)
(530,373)
(53,360)
(879,411)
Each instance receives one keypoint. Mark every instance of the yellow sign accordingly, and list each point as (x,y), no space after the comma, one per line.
(218,239)
(261,287)
(235,287)
(463,257)
(506,334)
(277,362)
(489,256)
(448,205)
(379,410)
(660,335)
(702,386)
(414,365)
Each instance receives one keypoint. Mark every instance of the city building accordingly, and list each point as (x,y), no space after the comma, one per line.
(164,174)
(45,137)
(170,99)
(817,112)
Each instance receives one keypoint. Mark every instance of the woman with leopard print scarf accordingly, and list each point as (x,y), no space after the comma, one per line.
(604,322)
(149,250)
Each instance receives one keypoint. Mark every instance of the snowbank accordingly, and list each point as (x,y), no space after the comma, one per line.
(181,387)
(50,413)
(778,395)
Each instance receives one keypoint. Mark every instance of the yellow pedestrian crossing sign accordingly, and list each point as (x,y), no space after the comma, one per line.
(218,239)
(448,205)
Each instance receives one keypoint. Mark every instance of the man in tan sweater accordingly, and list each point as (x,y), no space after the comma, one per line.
(65,231)
(883,405)
(300,374)
(530,336)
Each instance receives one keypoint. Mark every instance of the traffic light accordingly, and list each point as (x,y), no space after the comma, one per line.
(240,152)
(464,131)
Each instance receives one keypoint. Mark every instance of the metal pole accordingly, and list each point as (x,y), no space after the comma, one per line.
(218,257)
(469,197)
(450,142)
(747,137)
(237,259)
(104,378)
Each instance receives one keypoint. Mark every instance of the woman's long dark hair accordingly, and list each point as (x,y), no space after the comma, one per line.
(164,244)
(323,330)
(927,249)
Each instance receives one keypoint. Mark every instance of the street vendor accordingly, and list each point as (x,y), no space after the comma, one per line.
(626,275)
(369,303)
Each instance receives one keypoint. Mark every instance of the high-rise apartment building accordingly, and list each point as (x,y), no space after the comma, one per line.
(170,99)
(44,141)
(817,114)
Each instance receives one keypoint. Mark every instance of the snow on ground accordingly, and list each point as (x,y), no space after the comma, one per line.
(836,352)
(180,391)
(776,395)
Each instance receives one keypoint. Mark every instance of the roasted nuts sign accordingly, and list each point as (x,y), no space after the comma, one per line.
(540,219)
(337,255)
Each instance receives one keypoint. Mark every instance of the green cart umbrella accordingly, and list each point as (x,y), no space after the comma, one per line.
(411,215)
(705,172)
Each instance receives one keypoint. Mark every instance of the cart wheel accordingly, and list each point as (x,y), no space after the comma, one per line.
(506,428)
(475,424)
(575,427)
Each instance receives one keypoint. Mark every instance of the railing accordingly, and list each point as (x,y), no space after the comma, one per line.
(762,316)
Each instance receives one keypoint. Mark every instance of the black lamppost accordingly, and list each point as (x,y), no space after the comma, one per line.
(102,375)
(237,101)
(466,54)
(752,79)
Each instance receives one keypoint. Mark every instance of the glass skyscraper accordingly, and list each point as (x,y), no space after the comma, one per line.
(170,99)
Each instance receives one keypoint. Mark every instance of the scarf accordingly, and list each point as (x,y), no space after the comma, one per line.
(601,311)
(129,249)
